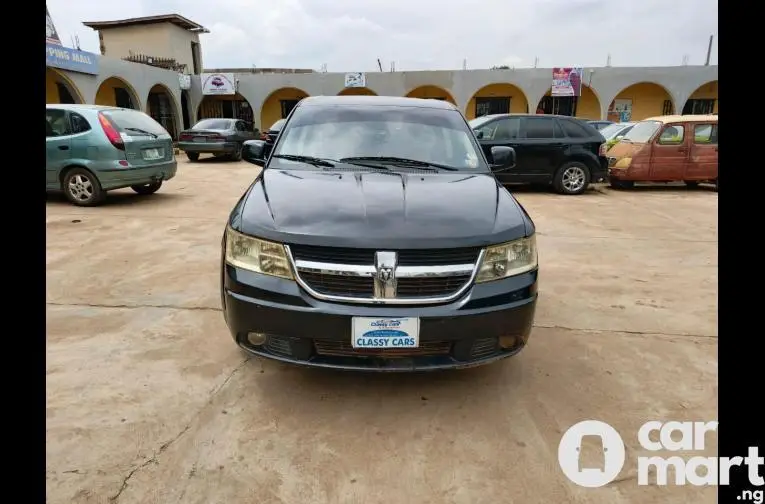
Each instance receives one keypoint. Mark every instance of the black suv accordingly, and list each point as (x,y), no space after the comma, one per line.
(377,238)
(561,150)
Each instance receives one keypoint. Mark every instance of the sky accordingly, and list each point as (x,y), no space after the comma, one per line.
(348,36)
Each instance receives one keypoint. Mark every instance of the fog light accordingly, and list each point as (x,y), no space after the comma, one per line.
(507,341)
(256,339)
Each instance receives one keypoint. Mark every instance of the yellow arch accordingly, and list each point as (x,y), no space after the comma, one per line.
(431,91)
(357,91)
(105,92)
(707,91)
(588,105)
(647,99)
(177,120)
(271,110)
(519,102)
(51,91)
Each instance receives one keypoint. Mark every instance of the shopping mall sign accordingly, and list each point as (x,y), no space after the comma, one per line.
(58,56)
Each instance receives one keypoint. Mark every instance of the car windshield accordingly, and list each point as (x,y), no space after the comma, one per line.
(277,125)
(135,123)
(214,124)
(428,135)
(612,130)
(642,131)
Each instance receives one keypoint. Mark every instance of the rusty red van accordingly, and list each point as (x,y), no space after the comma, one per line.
(666,149)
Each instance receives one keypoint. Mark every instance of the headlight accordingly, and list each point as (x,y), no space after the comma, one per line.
(508,259)
(256,255)
(623,163)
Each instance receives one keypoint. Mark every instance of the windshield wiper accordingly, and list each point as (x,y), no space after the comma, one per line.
(306,159)
(143,132)
(400,161)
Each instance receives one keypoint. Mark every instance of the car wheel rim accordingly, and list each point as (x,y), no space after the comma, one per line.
(80,187)
(573,179)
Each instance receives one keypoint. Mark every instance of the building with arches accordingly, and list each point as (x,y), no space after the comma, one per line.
(74,76)
(649,91)
(264,96)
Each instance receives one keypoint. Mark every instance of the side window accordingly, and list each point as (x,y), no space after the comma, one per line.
(573,130)
(672,135)
(486,132)
(557,131)
(538,128)
(79,123)
(240,126)
(56,123)
(507,129)
(705,134)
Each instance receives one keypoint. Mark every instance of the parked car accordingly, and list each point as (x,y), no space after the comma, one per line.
(270,136)
(599,125)
(615,132)
(220,137)
(557,150)
(666,149)
(390,247)
(92,149)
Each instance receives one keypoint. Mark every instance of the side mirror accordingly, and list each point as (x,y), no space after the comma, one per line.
(479,135)
(253,151)
(503,157)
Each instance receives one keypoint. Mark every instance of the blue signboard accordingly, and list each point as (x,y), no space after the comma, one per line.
(71,59)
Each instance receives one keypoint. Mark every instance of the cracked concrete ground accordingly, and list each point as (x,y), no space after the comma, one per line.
(149,400)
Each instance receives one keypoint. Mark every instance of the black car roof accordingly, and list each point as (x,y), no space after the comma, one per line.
(372,101)
(493,116)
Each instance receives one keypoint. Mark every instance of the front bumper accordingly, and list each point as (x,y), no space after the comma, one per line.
(205,147)
(300,328)
(600,175)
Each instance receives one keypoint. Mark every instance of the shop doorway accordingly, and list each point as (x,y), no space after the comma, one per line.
(185,110)
(162,109)
(558,105)
(226,107)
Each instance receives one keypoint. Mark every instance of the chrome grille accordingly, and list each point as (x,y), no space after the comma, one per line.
(424,257)
(385,276)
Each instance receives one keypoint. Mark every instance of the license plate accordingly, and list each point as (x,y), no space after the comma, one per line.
(199,139)
(369,332)
(150,154)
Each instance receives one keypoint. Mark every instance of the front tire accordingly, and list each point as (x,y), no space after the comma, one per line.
(193,156)
(237,155)
(572,178)
(83,188)
(147,189)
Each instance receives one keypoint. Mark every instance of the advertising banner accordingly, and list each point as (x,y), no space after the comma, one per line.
(184,80)
(218,84)
(356,79)
(620,110)
(567,82)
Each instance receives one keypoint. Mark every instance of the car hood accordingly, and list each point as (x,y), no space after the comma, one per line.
(380,209)
(624,149)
